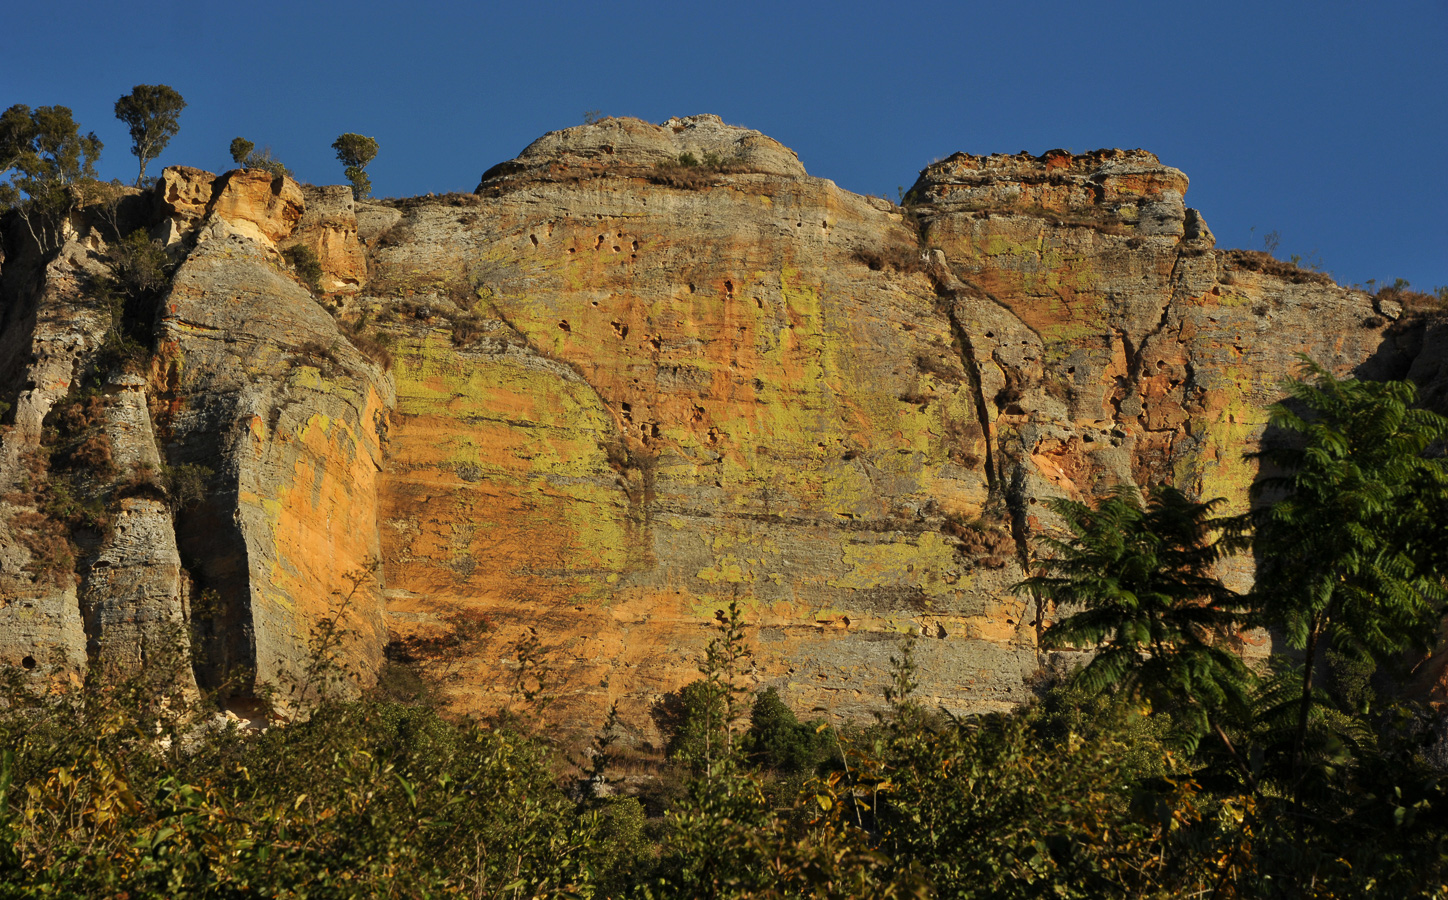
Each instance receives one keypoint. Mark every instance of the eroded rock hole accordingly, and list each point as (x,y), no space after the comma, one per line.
(620,329)
(563,325)
(534,239)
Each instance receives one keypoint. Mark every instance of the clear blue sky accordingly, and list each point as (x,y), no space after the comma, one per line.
(1325,121)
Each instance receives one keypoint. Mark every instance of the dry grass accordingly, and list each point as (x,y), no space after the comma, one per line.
(901,258)
(987,543)
(1260,261)
(1416,303)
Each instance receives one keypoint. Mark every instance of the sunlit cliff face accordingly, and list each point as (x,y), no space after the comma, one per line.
(647,370)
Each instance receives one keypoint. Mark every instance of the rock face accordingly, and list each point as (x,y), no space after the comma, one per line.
(254,391)
(260,385)
(328,228)
(48,327)
(646,370)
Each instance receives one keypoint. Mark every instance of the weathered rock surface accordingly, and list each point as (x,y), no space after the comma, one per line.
(622,403)
(47,326)
(623,145)
(262,386)
(253,202)
(628,390)
(329,229)
(252,380)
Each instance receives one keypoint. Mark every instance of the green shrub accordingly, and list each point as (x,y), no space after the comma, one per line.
(307,266)
(777,740)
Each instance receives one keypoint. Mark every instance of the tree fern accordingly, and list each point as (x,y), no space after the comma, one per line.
(1136,583)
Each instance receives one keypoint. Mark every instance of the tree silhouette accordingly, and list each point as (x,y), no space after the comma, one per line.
(1353,550)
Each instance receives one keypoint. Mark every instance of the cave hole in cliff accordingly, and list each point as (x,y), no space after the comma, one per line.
(691,287)
(534,239)
(28,662)
(729,288)
(564,326)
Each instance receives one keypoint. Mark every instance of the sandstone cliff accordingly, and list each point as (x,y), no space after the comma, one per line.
(644,370)
(251,381)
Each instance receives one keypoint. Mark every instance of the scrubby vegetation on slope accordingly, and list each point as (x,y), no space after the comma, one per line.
(1163,768)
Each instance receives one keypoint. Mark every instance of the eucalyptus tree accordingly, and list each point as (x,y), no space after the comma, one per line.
(153,114)
(45,155)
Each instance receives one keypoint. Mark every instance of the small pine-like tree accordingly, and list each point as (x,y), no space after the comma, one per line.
(240,150)
(355,151)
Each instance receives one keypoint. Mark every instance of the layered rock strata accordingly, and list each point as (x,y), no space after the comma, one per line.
(642,372)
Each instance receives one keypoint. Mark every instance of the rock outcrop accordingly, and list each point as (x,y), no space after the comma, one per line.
(642,371)
(252,390)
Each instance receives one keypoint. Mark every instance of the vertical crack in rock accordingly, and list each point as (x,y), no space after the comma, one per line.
(949,289)
(973,376)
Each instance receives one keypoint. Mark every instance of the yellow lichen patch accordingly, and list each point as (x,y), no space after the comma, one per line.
(917,561)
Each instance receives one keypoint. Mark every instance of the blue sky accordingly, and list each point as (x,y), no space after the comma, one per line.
(1326,122)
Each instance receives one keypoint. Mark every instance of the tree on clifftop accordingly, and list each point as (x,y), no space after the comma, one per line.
(45,154)
(153,112)
(355,151)
(241,149)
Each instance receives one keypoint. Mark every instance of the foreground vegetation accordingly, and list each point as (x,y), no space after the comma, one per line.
(1165,767)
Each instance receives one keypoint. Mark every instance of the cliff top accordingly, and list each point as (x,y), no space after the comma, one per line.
(623,143)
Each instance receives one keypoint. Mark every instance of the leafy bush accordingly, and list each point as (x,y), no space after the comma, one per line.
(260,159)
(777,740)
(691,172)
